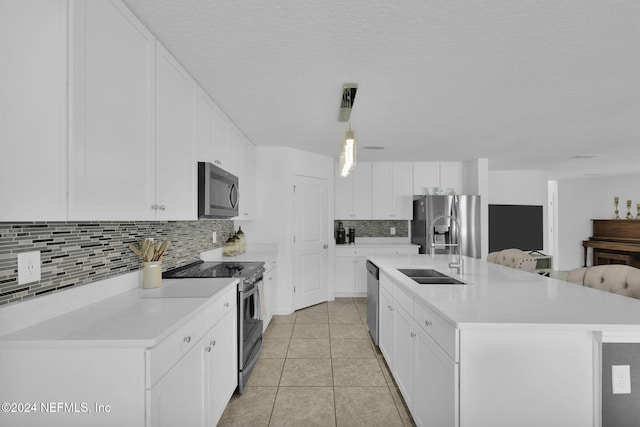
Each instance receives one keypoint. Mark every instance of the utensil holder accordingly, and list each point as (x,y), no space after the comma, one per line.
(151,274)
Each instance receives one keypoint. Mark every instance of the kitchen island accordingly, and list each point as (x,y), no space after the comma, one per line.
(506,348)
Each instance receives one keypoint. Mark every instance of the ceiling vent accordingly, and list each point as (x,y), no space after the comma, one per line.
(346,104)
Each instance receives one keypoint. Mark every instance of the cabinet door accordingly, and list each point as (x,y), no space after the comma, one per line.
(235,163)
(178,398)
(361,191)
(360,266)
(451,177)
(343,195)
(112,101)
(247,182)
(204,128)
(382,190)
(270,293)
(222,366)
(403,353)
(33,165)
(426,175)
(175,178)
(435,385)
(402,191)
(385,320)
(345,274)
(221,128)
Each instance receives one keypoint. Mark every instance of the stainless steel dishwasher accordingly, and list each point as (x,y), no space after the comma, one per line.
(373,275)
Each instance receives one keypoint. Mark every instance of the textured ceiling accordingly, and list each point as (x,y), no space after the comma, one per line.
(526,84)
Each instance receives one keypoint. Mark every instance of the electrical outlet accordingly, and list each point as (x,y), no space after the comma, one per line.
(392,231)
(621,379)
(28,267)
(214,237)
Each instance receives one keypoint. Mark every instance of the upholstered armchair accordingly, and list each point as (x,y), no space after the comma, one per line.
(616,278)
(514,258)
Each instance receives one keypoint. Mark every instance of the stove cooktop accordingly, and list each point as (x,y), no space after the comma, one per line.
(202,269)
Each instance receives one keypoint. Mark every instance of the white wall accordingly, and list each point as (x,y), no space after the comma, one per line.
(580,201)
(521,188)
(276,167)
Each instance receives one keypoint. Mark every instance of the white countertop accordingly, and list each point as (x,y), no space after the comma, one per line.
(258,253)
(496,296)
(139,318)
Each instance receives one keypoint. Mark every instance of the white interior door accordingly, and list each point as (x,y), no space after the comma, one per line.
(310,241)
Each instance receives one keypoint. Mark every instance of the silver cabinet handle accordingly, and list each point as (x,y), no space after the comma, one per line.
(226,304)
(187,339)
(161,207)
(390,308)
(154,207)
(428,323)
(208,349)
(413,335)
(325,246)
(213,343)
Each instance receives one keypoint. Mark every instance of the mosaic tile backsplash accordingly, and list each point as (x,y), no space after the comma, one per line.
(76,253)
(371,228)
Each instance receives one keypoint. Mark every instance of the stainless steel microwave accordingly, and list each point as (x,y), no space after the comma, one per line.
(217,192)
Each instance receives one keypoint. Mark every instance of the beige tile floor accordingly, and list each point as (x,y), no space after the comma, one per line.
(318,367)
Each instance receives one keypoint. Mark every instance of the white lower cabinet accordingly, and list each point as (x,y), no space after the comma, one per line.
(402,366)
(178,398)
(270,281)
(385,325)
(222,367)
(351,266)
(435,393)
(186,379)
(426,375)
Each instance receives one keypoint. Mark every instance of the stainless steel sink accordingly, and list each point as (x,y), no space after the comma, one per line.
(427,276)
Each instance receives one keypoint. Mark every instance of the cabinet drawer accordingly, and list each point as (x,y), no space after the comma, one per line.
(397,251)
(164,355)
(386,283)
(403,298)
(442,332)
(353,251)
(221,305)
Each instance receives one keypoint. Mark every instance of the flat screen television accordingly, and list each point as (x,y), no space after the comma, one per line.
(515,226)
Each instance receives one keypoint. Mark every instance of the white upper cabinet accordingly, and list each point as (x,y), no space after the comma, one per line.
(175,177)
(446,176)
(112,103)
(451,177)
(33,110)
(204,128)
(426,175)
(247,183)
(391,191)
(221,129)
(353,193)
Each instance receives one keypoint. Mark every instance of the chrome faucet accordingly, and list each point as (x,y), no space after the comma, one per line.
(459,265)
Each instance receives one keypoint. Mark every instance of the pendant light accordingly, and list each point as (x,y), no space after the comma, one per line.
(348,153)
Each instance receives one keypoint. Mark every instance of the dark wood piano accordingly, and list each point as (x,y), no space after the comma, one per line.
(614,241)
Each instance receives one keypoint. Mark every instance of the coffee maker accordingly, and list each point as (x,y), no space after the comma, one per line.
(341,237)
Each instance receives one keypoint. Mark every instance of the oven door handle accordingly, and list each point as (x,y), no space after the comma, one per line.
(247,294)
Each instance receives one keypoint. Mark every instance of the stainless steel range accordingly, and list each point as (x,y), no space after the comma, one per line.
(249,315)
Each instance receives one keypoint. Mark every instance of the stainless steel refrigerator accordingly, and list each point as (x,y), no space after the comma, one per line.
(465,208)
